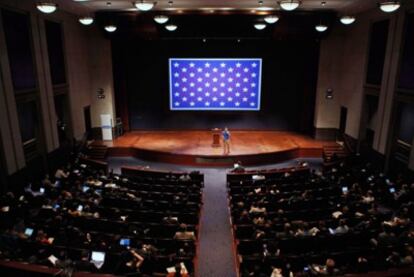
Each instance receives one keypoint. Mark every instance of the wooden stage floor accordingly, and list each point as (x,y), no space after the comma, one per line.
(195,147)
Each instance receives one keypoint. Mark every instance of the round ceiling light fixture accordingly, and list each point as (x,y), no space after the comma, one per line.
(321,28)
(86,20)
(289,5)
(347,19)
(271,19)
(171,27)
(144,6)
(110,28)
(46,7)
(259,26)
(161,19)
(389,6)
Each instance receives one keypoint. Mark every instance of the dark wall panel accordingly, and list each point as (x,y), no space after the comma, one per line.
(407,62)
(377,49)
(406,128)
(289,74)
(19,48)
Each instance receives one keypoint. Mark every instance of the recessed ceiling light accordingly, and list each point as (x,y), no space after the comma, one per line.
(389,6)
(86,20)
(289,5)
(271,19)
(171,27)
(321,27)
(110,28)
(144,6)
(161,19)
(259,26)
(46,7)
(347,19)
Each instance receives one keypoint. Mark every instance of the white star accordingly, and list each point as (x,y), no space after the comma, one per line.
(177,94)
(199,79)
(214,99)
(184,99)
(253,85)
(230,80)
(184,80)
(192,103)
(200,89)
(252,94)
(254,64)
(192,94)
(244,99)
(207,75)
(177,103)
(223,65)
(222,104)
(253,75)
(192,64)
(238,64)
(215,79)
(237,94)
(230,99)
(207,94)
(214,89)
(222,85)
(184,89)
(237,104)
(207,65)
(231,69)
(215,69)
(176,65)
(246,69)
(207,103)
(245,89)
(176,74)
(199,69)
(245,80)
(200,99)
(192,74)
(184,69)
(252,104)
(237,85)
(176,85)
(192,84)
(223,75)
(230,89)
(222,94)
(238,75)
(207,85)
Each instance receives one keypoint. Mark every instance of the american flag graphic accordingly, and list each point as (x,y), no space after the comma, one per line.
(215,84)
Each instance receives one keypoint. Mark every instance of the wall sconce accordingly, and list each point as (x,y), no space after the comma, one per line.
(101,93)
(329,94)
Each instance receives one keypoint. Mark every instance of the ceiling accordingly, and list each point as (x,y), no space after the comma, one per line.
(90,6)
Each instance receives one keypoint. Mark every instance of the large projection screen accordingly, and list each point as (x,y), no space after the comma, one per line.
(210,84)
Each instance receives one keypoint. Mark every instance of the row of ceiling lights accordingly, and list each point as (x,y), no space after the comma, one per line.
(287,5)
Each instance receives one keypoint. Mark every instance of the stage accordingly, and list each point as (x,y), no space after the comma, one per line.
(195,147)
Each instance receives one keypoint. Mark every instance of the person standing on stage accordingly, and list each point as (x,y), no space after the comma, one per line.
(226,141)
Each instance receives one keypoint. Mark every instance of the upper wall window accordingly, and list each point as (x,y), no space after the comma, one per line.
(55,52)
(407,62)
(19,48)
(377,49)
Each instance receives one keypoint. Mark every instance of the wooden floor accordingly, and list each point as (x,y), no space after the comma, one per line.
(195,147)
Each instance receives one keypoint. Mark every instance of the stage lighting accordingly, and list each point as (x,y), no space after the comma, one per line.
(110,28)
(260,26)
(161,19)
(347,19)
(171,27)
(46,7)
(271,19)
(86,20)
(321,27)
(389,6)
(289,5)
(144,6)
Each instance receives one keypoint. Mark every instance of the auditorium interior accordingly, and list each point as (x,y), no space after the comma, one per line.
(265,138)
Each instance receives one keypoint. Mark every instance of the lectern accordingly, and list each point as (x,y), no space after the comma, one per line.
(216,137)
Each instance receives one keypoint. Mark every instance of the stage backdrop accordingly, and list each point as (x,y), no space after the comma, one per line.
(288,83)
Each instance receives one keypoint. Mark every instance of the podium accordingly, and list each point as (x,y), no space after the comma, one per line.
(216,137)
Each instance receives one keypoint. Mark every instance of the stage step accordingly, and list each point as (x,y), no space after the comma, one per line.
(334,153)
(97,152)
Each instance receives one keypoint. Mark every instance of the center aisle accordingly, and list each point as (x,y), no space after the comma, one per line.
(215,257)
